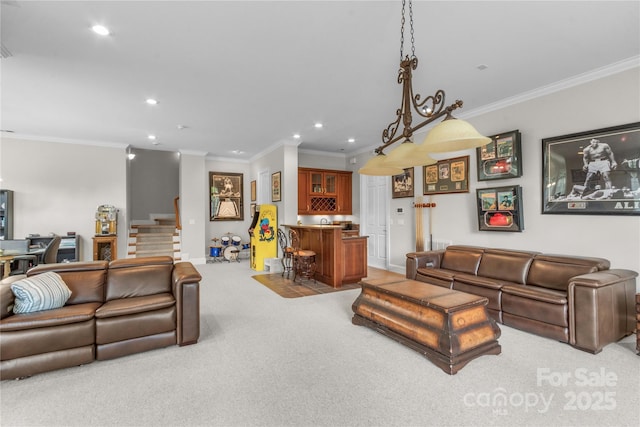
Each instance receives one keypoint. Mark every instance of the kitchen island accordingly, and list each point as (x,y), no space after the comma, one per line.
(339,259)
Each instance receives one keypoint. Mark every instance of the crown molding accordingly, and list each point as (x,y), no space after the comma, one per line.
(105,144)
(598,73)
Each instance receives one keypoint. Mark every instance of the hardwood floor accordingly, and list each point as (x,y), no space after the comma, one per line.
(287,288)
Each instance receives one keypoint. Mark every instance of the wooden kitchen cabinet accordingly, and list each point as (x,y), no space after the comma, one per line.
(324,192)
(339,260)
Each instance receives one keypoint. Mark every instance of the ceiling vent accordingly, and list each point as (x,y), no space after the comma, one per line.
(4,52)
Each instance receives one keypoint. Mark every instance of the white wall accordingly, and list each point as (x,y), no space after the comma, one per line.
(194,193)
(58,187)
(609,101)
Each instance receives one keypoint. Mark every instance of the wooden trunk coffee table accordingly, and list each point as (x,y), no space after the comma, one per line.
(448,327)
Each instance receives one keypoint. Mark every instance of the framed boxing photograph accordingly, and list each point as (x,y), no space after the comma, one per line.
(227,197)
(592,173)
(402,184)
(500,209)
(501,158)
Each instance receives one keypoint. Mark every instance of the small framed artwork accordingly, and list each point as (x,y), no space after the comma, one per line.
(276,187)
(253,191)
(447,176)
(402,184)
(592,173)
(252,209)
(500,209)
(226,196)
(501,158)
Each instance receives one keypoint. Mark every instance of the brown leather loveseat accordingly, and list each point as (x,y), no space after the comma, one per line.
(115,309)
(572,299)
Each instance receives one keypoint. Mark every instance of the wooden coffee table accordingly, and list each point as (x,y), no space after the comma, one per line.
(448,327)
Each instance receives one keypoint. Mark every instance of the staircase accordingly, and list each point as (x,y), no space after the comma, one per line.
(161,238)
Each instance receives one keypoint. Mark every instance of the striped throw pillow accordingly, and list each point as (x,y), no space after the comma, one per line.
(42,292)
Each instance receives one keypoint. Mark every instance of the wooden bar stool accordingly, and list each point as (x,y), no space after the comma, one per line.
(304,260)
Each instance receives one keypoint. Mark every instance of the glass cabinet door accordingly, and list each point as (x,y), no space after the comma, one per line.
(330,183)
(317,183)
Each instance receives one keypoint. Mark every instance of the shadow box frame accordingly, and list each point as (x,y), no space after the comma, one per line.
(276,187)
(565,169)
(446,176)
(227,196)
(501,158)
(403,189)
(500,208)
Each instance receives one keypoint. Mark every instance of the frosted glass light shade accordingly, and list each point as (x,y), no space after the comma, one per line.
(452,135)
(376,167)
(407,155)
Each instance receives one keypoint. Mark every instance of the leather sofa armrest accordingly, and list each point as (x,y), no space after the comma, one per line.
(416,260)
(603,278)
(601,308)
(186,291)
(6,295)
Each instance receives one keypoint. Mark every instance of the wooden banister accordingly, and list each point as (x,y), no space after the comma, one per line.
(177,211)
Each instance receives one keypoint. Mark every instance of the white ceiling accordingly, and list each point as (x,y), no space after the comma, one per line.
(247,75)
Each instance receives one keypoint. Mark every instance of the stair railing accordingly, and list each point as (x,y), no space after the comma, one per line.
(177,211)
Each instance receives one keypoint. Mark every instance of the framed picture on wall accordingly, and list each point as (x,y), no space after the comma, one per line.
(592,173)
(501,158)
(276,187)
(253,191)
(500,209)
(226,196)
(447,176)
(402,184)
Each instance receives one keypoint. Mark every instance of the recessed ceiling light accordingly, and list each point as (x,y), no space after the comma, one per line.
(351,140)
(237,151)
(296,135)
(151,137)
(101,29)
(182,127)
(318,125)
(151,101)
(482,67)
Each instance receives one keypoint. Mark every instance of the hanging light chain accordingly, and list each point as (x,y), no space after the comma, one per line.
(402,21)
(402,33)
(413,47)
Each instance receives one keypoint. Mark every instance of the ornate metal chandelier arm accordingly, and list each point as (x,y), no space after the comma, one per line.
(434,116)
(431,105)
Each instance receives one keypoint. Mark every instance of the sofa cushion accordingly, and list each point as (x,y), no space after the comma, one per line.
(462,258)
(507,265)
(435,276)
(47,340)
(541,304)
(42,292)
(43,319)
(85,279)
(553,273)
(126,306)
(136,277)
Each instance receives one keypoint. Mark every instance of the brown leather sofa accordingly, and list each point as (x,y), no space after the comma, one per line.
(572,299)
(115,309)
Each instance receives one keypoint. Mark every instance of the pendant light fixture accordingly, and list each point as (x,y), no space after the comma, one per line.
(450,135)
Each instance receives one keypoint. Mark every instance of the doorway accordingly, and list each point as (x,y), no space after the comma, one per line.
(375,216)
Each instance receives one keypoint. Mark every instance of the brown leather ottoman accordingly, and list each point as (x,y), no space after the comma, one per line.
(638,323)
(448,327)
